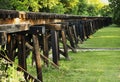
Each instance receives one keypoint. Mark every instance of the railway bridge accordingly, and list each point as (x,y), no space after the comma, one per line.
(40,33)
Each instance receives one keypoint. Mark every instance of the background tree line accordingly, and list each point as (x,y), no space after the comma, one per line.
(115,9)
(76,7)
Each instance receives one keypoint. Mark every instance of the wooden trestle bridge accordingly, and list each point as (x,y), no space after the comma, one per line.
(24,32)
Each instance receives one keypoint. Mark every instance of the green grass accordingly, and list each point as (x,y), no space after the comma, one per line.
(108,37)
(89,66)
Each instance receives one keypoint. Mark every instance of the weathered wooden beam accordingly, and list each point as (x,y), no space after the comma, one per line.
(70,47)
(45,48)
(8,14)
(24,64)
(70,36)
(50,26)
(42,56)
(75,34)
(37,57)
(9,47)
(64,44)
(22,52)
(12,28)
(3,37)
(54,43)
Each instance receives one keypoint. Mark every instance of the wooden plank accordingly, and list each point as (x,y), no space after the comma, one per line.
(37,57)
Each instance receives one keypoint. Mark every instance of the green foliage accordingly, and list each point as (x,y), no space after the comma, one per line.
(59,8)
(11,74)
(115,6)
(92,11)
(76,7)
(33,5)
(70,5)
(106,11)
(47,5)
(19,5)
(5,4)
(82,7)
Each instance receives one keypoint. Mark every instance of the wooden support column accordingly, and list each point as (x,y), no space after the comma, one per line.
(45,50)
(70,36)
(64,44)
(54,40)
(75,34)
(58,45)
(3,37)
(10,47)
(84,32)
(21,53)
(37,57)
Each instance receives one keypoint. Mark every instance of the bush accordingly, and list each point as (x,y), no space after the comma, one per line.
(10,74)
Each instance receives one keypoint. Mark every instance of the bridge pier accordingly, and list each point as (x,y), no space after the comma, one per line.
(37,57)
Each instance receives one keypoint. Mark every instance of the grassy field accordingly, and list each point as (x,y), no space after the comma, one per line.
(87,67)
(104,38)
(90,66)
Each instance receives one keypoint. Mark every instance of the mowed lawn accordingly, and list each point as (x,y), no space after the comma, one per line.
(108,37)
(87,67)
(90,66)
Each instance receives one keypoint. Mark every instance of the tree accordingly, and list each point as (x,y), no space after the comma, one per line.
(19,5)
(92,10)
(5,4)
(115,6)
(76,7)
(82,7)
(59,8)
(106,11)
(70,6)
(47,5)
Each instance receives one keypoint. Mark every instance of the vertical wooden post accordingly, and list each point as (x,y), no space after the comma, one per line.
(45,50)
(64,44)
(21,52)
(58,45)
(37,57)
(75,34)
(84,32)
(70,36)
(10,47)
(24,64)
(54,40)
